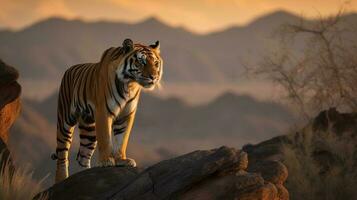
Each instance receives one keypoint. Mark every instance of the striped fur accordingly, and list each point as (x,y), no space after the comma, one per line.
(101,98)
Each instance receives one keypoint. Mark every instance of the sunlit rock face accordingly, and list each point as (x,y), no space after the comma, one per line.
(9,98)
(10,105)
(210,174)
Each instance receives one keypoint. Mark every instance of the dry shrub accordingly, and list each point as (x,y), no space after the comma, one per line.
(18,183)
(328,176)
(315,64)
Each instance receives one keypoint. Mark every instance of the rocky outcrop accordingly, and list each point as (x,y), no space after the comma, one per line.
(212,174)
(342,126)
(273,171)
(322,143)
(9,98)
(9,109)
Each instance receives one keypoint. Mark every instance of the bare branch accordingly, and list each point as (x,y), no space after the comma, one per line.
(324,74)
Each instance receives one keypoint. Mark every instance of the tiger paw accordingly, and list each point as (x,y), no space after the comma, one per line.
(107,163)
(128,162)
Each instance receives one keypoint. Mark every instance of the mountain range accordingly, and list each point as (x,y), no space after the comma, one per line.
(45,49)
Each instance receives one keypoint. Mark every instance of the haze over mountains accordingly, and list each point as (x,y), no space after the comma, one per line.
(50,46)
(46,49)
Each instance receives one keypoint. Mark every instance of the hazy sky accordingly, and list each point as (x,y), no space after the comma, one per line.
(196,15)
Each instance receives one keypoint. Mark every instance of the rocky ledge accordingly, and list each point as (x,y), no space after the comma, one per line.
(212,174)
(10,104)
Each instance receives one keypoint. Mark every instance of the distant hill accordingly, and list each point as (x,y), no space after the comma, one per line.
(45,49)
(163,128)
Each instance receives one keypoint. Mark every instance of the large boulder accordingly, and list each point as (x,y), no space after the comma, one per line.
(10,104)
(9,110)
(274,172)
(212,174)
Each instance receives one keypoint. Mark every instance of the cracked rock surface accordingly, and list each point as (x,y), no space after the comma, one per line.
(212,174)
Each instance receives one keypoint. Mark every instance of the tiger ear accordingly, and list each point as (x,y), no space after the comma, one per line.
(128,45)
(156,46)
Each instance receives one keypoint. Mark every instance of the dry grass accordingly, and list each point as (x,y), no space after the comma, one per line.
(310,180)
(18,184)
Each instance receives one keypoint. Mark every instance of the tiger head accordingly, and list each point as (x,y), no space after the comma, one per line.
(143,63)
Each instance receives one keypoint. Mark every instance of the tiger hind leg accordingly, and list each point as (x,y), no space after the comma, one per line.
(64,140)
(88,143)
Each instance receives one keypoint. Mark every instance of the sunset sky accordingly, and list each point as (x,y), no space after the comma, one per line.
(196,15)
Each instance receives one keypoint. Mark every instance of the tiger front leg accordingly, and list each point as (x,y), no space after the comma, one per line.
(104,139)
(121,129)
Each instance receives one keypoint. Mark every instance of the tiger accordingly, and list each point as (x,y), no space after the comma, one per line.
(102,98)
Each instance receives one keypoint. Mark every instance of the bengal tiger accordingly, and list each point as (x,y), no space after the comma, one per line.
(102,99)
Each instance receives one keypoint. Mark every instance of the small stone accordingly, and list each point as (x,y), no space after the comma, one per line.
(283,193)
(272,171)
(244,181)
(243,161)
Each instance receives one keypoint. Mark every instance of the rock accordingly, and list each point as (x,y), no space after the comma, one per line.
(248,180)
(236,186)
(169,178)
(272,171)
(9,110)
(8,115)
(283,193)
(88,184)
(10,89)
(9,98)
(7,73)
(211,174)
(222,187)
(266,192)
(339,123)
(243,161)
(267,150)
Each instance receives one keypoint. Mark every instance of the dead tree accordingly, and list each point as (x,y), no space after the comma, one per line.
(320,74)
